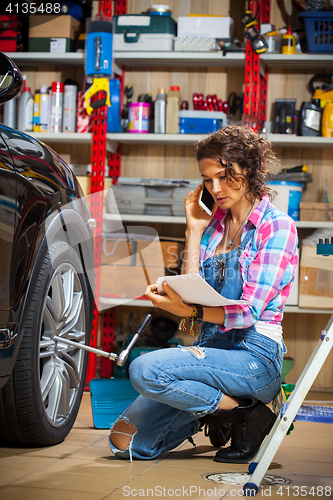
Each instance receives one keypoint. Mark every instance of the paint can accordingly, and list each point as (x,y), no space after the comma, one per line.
(138,117)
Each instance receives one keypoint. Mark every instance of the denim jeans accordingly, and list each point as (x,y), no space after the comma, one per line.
(178,386)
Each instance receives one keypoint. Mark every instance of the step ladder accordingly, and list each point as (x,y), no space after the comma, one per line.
(294,409)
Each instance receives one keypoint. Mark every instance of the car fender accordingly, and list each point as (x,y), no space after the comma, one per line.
(67,225)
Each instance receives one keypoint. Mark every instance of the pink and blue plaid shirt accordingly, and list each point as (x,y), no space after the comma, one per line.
(268,264)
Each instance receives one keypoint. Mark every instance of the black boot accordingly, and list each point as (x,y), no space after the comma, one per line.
(252,422)
(217,428)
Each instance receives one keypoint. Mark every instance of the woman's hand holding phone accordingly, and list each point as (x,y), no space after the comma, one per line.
(196,217)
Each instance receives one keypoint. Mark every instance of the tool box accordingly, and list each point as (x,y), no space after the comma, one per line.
(133,195)
(140,32)
(201,122)
(10,33)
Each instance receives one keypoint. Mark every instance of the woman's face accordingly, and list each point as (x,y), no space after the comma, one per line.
(227,194)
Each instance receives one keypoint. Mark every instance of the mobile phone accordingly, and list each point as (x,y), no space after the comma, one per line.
(206,201)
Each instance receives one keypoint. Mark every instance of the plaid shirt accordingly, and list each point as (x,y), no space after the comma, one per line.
(268,264)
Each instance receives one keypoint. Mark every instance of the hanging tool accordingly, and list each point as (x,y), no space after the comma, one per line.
(234,103)
(119,358)
(98,61)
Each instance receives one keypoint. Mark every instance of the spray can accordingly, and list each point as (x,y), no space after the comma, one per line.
(172,117)
(44,109)
(160,112)
(25,109)
(288,42)
(56,107)
(36,117)
(69,109)
(9,113)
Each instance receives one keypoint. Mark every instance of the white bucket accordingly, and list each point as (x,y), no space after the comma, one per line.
(288,197)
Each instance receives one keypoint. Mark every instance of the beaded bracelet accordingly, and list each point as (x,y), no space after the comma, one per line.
(182,324)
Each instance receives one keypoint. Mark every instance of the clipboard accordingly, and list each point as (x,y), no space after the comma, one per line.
(193,289)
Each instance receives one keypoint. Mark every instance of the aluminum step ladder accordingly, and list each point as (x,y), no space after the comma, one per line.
(294,409)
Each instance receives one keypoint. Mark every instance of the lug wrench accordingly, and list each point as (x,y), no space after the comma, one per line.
(119,358)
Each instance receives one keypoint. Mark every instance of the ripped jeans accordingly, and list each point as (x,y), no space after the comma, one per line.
(179,385)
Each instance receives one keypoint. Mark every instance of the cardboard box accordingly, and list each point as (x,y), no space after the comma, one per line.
(49,26)
(162,254)
(126,281)
(316,211)
(316,279)
(171,253)
(205,26)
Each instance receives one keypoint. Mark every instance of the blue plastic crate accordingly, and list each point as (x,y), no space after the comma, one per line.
(319,30)
(109,399)
(312,413)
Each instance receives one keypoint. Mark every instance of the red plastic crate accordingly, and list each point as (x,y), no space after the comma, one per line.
(10,27)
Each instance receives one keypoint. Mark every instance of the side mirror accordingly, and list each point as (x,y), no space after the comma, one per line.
(10,79)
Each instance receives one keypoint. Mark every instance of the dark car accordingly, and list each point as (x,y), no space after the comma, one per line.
(46,285)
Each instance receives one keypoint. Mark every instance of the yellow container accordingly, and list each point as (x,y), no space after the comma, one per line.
(288,42)
(327,120)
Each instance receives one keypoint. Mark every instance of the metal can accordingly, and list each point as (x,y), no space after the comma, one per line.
(56,106)
(69,109)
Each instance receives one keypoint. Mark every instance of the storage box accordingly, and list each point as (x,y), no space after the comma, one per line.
(194,44)
(201,122)
(316,211)
(149,196)
(206,26)
(319,30)
(127,281)
(60,45)
(10,30)
(316,279)
(140,32)
(57,26)
(117,250)
(49,33)
(109,399)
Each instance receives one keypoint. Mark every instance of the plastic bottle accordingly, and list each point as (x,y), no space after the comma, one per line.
(172,115)
(160,112)
(69,109)
(56,107)
(44,109)
(9,113)
(25,109)
(36,117)
(288,42)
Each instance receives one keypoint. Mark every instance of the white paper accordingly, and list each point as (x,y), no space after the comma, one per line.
(193,289)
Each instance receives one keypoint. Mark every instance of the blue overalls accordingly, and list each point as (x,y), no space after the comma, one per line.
(179,385)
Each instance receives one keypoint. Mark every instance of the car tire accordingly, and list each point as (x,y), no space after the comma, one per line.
(40,402)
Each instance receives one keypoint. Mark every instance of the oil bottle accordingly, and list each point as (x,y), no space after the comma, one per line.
(288,42)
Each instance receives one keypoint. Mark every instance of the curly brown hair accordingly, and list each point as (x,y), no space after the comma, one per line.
(251,151)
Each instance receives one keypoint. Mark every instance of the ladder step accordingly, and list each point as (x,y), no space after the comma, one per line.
(312,413)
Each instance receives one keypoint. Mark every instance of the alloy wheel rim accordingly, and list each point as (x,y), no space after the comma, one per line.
(61,365)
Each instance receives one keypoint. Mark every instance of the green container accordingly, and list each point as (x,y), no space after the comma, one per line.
(43,44)
(133,25)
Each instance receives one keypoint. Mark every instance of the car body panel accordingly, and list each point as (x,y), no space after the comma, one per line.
(48,200)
